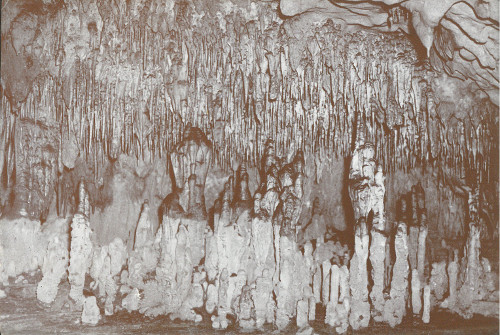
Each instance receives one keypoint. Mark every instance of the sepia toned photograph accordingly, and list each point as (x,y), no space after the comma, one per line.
(304,167)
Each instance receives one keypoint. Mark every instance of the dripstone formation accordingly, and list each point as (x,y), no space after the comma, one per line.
(260,166)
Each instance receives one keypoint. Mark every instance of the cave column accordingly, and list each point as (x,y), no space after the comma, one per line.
(395,306)
(364,199)
(378,249)
(471,263)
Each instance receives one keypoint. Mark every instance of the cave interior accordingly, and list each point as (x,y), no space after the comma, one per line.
(308,166)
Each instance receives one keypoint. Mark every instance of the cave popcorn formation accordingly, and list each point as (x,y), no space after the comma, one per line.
(262,165)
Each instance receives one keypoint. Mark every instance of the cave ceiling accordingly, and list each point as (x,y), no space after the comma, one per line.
(419,77)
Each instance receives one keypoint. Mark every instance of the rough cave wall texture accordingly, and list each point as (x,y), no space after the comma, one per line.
(100,98)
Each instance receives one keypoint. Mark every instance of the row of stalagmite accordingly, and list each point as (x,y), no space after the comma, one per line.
(249,264)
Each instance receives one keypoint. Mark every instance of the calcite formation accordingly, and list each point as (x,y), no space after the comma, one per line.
(54,267)
(107,263)
(254,164)
(395,306)
(361,176)
(81,247)
(91,313)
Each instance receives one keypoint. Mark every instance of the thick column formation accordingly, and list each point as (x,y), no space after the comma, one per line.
(378,248)
(367,195)
(470,263)
(417,247)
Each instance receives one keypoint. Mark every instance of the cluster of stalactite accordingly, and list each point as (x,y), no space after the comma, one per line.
(243,80)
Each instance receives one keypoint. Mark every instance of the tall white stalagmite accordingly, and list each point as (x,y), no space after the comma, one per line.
(422,237)
(452,280)
(262,296)
(377,260)
(416,297)
(331,308)
(358,276)
(366,193)
(55,263)
(344,305)
(81,247)
(378,247)
(395,306)
(468,292)
(426,315)
(317,277)
(325,292)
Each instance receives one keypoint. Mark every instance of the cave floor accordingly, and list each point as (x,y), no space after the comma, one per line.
(22,313)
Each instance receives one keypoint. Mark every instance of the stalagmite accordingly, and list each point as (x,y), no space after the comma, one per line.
(395,307)
(81,247)
(55,264)
(344,305)
(220,320)
(212,298)
(331,308)
(90,314)
(377,259)
(421,251)
(358,280)
(364,199)
(302,317)
(438,282)
(468,292)
(206,154)
(317,278)
(416,292)
(262,296)
(325,291)
(427,304)
(452,282)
